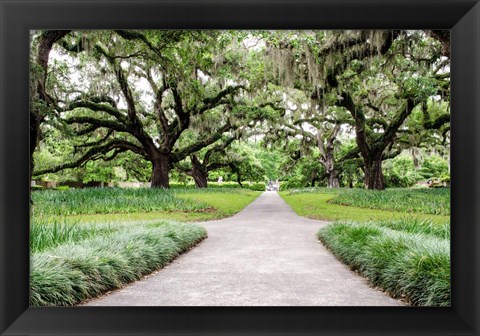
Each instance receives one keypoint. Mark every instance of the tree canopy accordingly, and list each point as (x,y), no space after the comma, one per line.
(258,104)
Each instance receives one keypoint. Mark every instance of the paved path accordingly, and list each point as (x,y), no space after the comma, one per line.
(265,255)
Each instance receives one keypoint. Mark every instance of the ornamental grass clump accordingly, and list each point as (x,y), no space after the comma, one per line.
(423,274)
(47,232)
(411,266)
(345,240)
(74,272)
(415,225)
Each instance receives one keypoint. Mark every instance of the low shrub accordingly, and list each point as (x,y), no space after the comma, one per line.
(182,185)
(257,186)
(434,166)
(414,267)
(314,190)
(224,185)
(293,184)
(75,272)
(400,172)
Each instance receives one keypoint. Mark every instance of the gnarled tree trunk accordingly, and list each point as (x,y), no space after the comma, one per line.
(373,172)
(333,180)
(199,173)
(325,143)
(161,168)
(46,42)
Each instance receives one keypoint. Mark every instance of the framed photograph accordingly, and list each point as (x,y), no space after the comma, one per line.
(21,19)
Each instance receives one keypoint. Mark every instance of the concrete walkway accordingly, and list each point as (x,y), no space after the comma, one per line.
(265,255)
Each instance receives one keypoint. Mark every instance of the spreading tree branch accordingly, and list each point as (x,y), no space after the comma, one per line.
(95,153)
(97,107)
(182,154)
(97,122)
(209,103)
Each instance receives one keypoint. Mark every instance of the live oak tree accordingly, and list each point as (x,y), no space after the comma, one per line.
(174,66)
(214,157)
(299,164)
(294,65)
(379,77)
(319,130)
(201,164)
(42,103)
(247,114)
(176,98)
(252,111)
(382,94)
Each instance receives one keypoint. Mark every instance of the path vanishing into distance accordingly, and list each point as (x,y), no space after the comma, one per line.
(266,255)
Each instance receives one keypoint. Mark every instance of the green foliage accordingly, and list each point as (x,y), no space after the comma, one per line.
(411,266)
(282,72)
(247,160)
(427,201)
(270,159)
(46,233)
(420,87)
(299,169)
(352,174)
(400,172)
(257,186)
(434,166)
(74,272)
(254,163)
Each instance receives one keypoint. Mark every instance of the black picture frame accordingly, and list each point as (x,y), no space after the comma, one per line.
(17,17)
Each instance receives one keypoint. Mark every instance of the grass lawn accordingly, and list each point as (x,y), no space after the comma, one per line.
(88,241)
(399,239)
(319,205)
(223,204)
(428,201)
(125,205)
